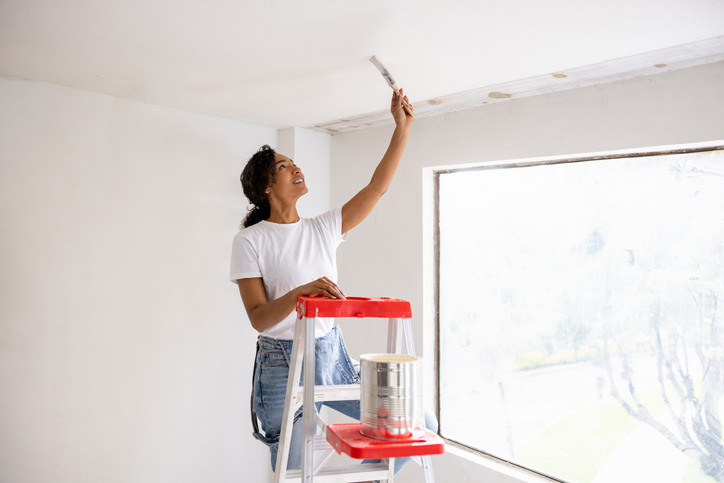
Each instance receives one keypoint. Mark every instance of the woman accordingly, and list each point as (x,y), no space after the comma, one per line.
(278,256)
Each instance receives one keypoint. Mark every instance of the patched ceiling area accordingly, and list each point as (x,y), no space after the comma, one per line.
(283,63)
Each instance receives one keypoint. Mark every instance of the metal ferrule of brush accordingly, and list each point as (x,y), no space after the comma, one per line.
(388,78)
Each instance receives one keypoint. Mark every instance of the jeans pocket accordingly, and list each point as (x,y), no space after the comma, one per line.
(273,358)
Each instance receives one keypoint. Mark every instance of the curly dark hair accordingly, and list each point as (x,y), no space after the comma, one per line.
(254,181)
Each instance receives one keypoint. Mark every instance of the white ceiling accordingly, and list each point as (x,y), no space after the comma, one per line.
(283,63)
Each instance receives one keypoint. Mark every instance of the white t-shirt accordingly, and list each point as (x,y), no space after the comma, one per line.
(286,256)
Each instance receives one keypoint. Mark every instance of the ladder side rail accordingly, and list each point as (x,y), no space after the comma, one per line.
(290,407)
(423,461)
(397,330)
(426,464)
(409,340)
(309,409)
(427,469)
(394,345)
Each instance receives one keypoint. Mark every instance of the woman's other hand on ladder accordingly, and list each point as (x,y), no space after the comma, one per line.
(321,286)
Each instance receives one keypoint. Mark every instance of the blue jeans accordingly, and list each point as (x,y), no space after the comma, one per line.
(333,366)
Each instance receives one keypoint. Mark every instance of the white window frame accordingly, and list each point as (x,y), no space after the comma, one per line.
(431,269)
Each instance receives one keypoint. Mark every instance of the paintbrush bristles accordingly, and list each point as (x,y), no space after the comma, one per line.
(391,82)
(385,73)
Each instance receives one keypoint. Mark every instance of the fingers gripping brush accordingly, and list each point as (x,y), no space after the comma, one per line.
(391,82)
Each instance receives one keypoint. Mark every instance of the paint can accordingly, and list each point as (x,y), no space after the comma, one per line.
(391,397)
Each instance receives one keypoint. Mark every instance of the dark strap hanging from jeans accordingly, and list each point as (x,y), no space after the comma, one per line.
(254,419)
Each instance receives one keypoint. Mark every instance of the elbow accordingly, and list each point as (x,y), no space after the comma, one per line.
(377,190)
(256,321)
(378,185)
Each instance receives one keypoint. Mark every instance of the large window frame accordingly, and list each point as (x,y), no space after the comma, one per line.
(431,248)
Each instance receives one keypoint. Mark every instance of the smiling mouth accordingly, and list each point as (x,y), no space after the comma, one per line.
(298,181)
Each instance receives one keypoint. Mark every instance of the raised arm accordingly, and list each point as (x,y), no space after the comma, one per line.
(362,204)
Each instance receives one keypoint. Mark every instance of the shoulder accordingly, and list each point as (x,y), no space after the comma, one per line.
(327,219)
(329,224)
(250,236)
(251,231)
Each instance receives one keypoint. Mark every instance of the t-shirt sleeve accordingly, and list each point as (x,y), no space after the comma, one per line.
(244,260)
(331,221)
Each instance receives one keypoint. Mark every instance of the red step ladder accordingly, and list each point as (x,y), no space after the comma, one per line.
(344,438)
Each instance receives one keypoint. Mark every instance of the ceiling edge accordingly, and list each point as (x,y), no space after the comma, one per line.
(682,56)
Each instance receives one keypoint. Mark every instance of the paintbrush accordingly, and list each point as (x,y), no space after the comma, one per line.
(391,82)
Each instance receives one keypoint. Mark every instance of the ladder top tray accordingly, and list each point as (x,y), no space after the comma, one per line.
(381,307)
(346,438)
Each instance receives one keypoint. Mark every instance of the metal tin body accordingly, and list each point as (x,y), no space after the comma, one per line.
(391,396)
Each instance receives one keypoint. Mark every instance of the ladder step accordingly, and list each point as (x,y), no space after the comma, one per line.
(321,443)
(341,474)
(344,392)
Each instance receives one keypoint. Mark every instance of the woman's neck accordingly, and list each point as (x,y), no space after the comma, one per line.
(284,215)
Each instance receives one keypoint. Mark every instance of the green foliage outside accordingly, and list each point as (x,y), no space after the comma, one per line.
(576,447)
(538,360)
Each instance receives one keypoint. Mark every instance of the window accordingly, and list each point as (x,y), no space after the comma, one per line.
(580,304)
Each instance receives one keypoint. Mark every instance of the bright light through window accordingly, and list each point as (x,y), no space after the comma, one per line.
(581,316)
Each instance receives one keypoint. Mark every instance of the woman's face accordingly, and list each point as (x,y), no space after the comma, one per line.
(289,185)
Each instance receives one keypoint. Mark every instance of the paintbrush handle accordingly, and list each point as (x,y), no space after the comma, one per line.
(405,105)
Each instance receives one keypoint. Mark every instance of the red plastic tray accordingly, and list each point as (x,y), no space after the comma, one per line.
(346,438)
(360,307)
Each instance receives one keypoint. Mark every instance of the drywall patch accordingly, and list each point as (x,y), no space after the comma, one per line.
(560,76)
(434,102)
(500,95)
(660,65)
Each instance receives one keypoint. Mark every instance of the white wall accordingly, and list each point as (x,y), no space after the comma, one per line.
(310,150)
(125,354)
(384,255)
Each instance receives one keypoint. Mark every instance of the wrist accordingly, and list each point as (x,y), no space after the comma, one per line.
(403,129)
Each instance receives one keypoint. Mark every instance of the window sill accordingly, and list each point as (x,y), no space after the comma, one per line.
(499,466)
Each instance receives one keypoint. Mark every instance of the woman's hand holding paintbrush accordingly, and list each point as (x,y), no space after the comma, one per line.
(401,109)
(391,82)
(405,103)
